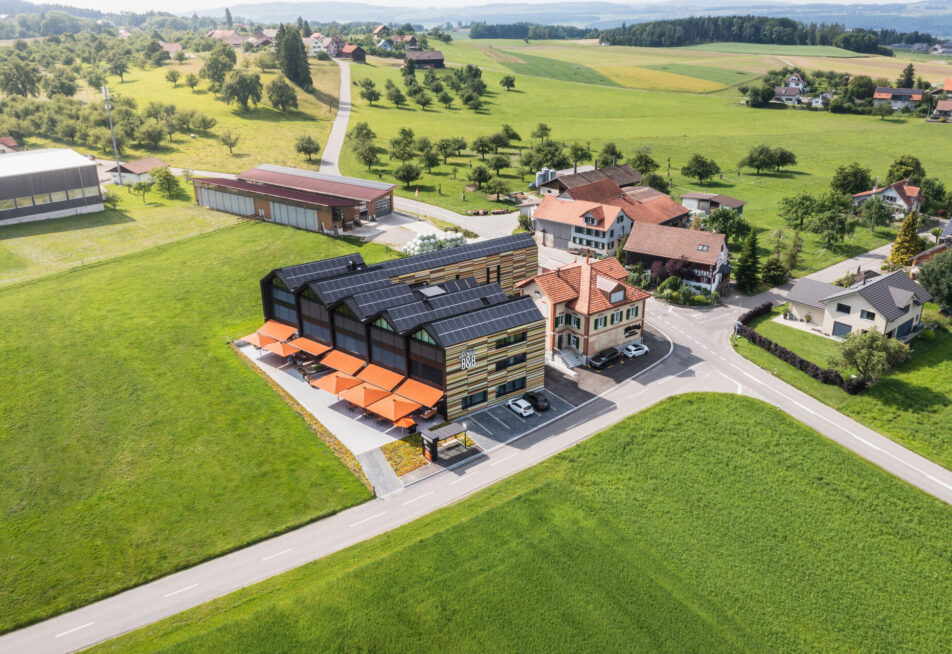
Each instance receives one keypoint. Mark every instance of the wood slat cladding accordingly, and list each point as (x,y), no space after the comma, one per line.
(461,383)
(513,266)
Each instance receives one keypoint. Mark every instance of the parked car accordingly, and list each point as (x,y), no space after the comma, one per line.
(538,401)
(635,350)
(520,407)
(604,359)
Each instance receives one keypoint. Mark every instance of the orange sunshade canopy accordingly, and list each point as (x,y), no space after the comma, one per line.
(281,349)
(342,361)
(309,346)
(406,423)
(393,407)
(381,377)
(256,339)
(276,330)
(413,390)
(335,383)
(364,395)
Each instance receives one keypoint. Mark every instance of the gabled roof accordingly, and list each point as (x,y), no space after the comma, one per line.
(885,93)
(574,212)
(350,49)
(484,322)
(586,287)
(424,55)
(309,197)
(9,141)
(654,208)
(723,200)
(379,29)
(137,167)
(409,317)
(907,193)
(889,294)
(943,105)
(928,254)
(293,277)
(811,292)
(171,48)
(622,175)
(786,91)
(694,245)
(404,38)
(308,180)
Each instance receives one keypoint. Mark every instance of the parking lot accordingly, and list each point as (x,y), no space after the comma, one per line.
(500,424)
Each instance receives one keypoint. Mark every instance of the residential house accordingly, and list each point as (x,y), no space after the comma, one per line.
(355,53)
(408,41)
(943,110)
(332,45)
(133,171)
(171,48)
(623,175)
(900,196)
(424,58)
(796,81)
(705,253)
(593,226)
(920,48)
(944,48)
(787,95)
(898,98)
(891,304)
(8,144)
(648,205)
(381,31)
(259,39)
(270,32)
(705,203)
(925,256)
(588,307)
(231,37)
(385,44)
(821,101)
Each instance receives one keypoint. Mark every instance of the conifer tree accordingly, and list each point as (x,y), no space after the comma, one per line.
(747,272)
(907,244)
(292,57)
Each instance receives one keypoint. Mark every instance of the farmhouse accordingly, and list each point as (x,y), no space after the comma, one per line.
(708,202)
(890,304)
(385,44)
(332,45)
(565,223)
(408,41)
(231,37)
(353,52)
(898,98)
(424,58)
(8,144)
(381,31)
(443,324)
(943,110)
(796,81)
(588,307)
(900,196)
(133,171)
(624,176)
(51,183)
(704,255)
(787,94)
(299,198)
(171,48)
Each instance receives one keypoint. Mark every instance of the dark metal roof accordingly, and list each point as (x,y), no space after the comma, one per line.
(296,276)
(424,55)
(485,322)
(811,292)
(444,432)
(621,174)
(889,294)
(440,258)
(369,304)
(305,197)
(410,317)
(351,188)
(331,290)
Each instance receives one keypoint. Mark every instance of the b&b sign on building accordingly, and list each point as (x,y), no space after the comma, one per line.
(467,359)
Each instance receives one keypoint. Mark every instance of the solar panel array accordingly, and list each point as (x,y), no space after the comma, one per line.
(455,285)
(296,276)
(410,316)
(370,303)
(454,255)
(486,321)
(336,288)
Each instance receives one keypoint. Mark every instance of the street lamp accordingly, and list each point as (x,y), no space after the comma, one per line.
(115,150)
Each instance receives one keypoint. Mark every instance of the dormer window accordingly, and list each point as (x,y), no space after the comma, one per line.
(617,296)
(589,220)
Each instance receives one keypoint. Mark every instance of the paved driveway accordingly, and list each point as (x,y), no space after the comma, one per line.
(499,424)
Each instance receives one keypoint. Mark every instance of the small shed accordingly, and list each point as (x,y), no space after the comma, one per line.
(433,437)
(134,171)
(425,58)
(354,52)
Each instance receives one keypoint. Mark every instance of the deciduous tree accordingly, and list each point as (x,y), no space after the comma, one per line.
(876,213)
(173,76)
(307,146)
(229,140)
(905,166)
(508,82)
(872,354)
(610,155)
(479,175)
(497,187)
(407,173)
(165,181)
(282,95)
(851,179)
(701,168)
(935,276)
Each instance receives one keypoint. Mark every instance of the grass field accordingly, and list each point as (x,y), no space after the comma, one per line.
(770,49)
(912,405)
(709,523)
(265,133)
(31,250)
(556,69)
(133,441)
(720,76)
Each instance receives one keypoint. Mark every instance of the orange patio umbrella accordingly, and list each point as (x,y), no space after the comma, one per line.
(309,346)
(379,376)
(364,395)
(256,339)
(406,423)
(335,383)
(393,407)
(417,392)
(281,349)
(276,330)
(343,362)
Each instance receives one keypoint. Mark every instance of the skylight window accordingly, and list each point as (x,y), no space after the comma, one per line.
(702,248)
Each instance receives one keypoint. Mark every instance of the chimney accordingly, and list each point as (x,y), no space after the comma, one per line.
(586,256)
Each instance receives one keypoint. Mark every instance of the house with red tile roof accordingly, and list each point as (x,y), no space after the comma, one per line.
(708,202)
(898,98)
(8,144)
(381,31)
(943,110)
(901,196)
(579,224)
(353,52)
(704,255)
(588,307)
(231,37)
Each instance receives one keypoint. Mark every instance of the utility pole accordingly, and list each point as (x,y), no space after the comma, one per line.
(115,150)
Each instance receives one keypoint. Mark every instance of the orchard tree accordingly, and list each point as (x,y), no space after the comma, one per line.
(797,209)
(610,155)
(150,133)
(445,99)
(429,158)
(727,222)
(407,173)
(701,168)
(510,133)
(832,219)
(871,353)
(361,132)
(905,166)
(173,76)
(643,162)
(119,66)
(219,63)
(784,158)
(395,95)
(229,140)
(423,99)
(541,132)
(307,146)
(480,175)
(497,187)
(861,87)
(760,157)
(876,213)
(508,82)
(18,77)
(482,145)
(577,153)
(242,87)
(935,276)
(851,179)
(445,148)
(366,153)
(191,81)
(882,110)
(657,182)
(282,95)
(368,91)
(165,181)
(205,122)
(142,188)
(498,162)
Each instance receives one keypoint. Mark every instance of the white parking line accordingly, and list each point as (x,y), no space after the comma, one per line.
(504,459)
(82,626)
(180,590)
(463,478)
(417,499)
(373,517)
(278,554)
(504,425)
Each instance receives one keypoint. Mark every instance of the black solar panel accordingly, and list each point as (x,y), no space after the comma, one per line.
(336,288)
(370,303)
(410,316)
(462,253)
(296,276)
(455,285)
(489,320)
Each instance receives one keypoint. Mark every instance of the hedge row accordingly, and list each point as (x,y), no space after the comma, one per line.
(823,375)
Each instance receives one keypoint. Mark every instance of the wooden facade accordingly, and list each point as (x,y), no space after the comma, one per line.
(504,269)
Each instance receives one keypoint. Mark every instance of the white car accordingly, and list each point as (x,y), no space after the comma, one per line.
(635,350)
(521,407)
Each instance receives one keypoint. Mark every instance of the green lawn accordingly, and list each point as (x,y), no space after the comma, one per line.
(818,349)
(31,250)
(771,49)
(709,523)
(133,441)
(557,70)
(912,405)
(725,76)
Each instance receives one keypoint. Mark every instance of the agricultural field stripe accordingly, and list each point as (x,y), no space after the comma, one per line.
(82,626)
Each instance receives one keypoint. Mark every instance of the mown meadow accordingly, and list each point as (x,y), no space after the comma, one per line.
(709,523)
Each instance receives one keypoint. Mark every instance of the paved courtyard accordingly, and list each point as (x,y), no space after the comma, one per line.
(499,424)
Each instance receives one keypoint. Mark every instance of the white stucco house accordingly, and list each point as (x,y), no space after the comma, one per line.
(901,196)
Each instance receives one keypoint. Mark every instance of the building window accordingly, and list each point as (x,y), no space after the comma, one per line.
(842,308)
(573,341)
(389,358)
(43,198)
(427,373)
(616,317)
(617,296)
(75,194)
(383,324)
(702,248)
(26,201)
(474,399)
(631,312)
(600,322)
(574,320)
(512,339)
(58,196)
(511,361)
(867,315)
(498,273)
(560,320)
(423,337)
(7,204)
(91,191)
(317,332)
(282,303)
(487,274)
(511,387)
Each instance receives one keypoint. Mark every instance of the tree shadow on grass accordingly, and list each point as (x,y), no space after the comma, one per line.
(66,224)
(270,115)
(906,396)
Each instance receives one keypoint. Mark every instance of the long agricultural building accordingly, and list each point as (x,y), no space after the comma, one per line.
(300,198)
(43,184)
(451,319)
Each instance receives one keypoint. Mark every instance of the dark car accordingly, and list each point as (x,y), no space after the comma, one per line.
(538,401)
(604,359)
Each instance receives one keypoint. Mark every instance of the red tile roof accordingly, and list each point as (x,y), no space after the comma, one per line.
(666,242)
(9,141)
(350,49)
(586,288)
(944,105)
(641,203)
(883,93)
(907,193)
(947,87)
(573,212)
(137,167)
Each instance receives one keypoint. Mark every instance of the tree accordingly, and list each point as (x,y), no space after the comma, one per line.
(229,140)
(219,63)
(861,87)
(150,133)
(797,209)
(905,166)
(228,22)
(497,187)
(508,82)
(445,148)
(872,354)
(935,276)
(179,56)
(407,173)
(784,158)
(362,132)
(657,182)
(366,153)
(119,66)
(429,159)
(60,83)
(460,144)
(142,188)
(760,157)
(510,133)
(499,140)
(165,180)
(882,110)
(907,79)
(907,243)
(851,179)
(480,175)
(292,57)
(759,96)
(643,162)
(173,76)
(445,99)
(774,272)
(243,87)
(541,132)
(747,272)
(307,146)
(482,145)
(205,122)
(832,218)
(282,95)
(727,222)
(700,167)
(184,119)
(498,162)
(934,193)
(876,213)
(395,95)
(423,99)
(191,81)
(170,124)
(18,77)
(610,155)
(791,257)
(369,92)
(577,153)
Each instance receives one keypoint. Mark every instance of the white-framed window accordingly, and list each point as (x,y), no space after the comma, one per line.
(574,320)
(631,312)
(560,320)
(573,341)
(600,322)
(616,317)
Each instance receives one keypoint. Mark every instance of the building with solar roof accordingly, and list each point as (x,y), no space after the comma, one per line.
(49,183)
(300,198)
(451,319)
